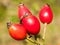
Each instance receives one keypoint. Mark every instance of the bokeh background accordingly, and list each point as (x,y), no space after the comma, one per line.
(9,12)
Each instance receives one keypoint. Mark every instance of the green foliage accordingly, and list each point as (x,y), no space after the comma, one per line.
(14,19)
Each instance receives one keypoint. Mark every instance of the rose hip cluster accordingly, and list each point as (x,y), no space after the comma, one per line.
(29,24)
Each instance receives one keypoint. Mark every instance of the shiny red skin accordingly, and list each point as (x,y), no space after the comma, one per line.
(46,14)
(32,24)
(22,9)
(17,31)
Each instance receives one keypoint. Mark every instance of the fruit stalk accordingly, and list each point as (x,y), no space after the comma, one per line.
(44,31)
(32,41)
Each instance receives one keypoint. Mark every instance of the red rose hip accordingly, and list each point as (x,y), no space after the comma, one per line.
(17,31)
(32,24)
(22,9)
(46,14)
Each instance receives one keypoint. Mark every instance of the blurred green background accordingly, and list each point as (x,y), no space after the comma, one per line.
(9,12)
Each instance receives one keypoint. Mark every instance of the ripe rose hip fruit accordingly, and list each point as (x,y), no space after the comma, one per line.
(22,9)
(46,14)
(17,31)
(32,24)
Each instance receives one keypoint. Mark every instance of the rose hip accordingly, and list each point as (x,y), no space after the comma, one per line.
(46,14)
(22,9)
(32,24)
(17,31)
